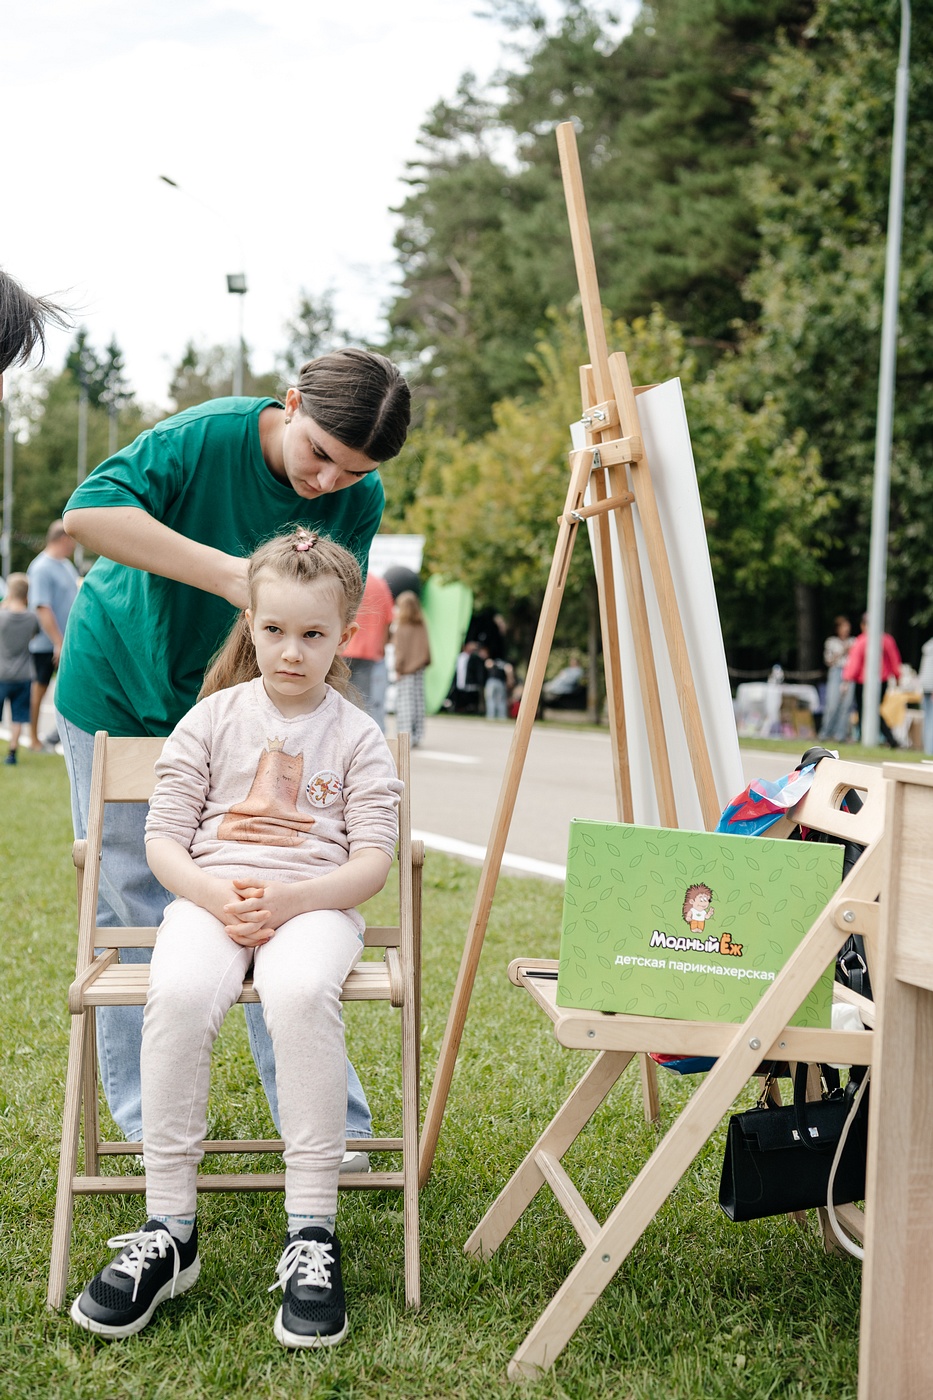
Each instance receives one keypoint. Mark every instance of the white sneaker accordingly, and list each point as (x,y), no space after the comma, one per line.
(355,1162)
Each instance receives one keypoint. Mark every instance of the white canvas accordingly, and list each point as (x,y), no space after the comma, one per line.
(667,444)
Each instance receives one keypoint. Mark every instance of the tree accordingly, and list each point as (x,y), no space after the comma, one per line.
(488,506)
(666,140)
(825,119)
(311,331)
(85,366)
(115,392)
(206,372)
(457,314)
(46,450)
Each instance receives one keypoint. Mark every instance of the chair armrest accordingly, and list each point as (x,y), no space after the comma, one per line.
(519,965)
(90,975)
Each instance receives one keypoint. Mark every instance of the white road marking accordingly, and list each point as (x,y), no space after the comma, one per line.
(440,757)
(450,846)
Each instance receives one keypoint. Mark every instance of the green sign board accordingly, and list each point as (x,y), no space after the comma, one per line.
(689,925)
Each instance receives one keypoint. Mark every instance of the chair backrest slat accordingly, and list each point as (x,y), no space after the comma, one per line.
(130,772)
(821,808)
(125,937)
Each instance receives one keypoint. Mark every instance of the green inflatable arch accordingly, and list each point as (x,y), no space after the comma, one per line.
(447,608)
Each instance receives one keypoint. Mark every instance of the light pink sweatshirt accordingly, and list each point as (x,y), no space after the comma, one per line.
(250,792)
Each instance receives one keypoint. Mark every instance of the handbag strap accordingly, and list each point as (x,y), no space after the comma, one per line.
(800,1110)
(848,1244)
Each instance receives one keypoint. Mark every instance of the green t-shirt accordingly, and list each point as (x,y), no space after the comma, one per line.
(137,645)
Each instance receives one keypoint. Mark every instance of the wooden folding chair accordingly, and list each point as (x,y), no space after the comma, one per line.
(740,1051)
(123,771)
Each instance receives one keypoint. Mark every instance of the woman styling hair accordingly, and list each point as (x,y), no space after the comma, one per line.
(174,517)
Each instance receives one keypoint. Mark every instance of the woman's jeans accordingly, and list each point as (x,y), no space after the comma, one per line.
(130,896)
(496,699)
(927,722)
(837,709)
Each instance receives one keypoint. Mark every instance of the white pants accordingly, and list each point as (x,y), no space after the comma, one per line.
(197,975)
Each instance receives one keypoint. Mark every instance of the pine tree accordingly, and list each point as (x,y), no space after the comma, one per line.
(666,140)
(826,119)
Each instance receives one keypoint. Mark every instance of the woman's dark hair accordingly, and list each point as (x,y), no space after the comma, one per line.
(360,398)
(22,322)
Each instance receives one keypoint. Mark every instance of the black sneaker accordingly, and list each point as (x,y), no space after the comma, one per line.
(313,1311)
(151,1266)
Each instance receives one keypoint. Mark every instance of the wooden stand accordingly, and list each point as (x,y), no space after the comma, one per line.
(614,469)
(738,1051)
(896,1342)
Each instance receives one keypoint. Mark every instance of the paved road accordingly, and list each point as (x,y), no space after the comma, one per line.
(457,775)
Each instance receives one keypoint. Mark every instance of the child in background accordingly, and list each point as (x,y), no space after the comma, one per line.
(275,814)
(18,626)
(412,657)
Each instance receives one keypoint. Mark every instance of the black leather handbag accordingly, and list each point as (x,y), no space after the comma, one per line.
(778,1158)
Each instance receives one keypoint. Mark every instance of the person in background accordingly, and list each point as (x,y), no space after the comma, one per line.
(53,585)
(890,670)
(18,626)
(23,320)
(412,657)
(837,706)
(496,691)
(366,650)
(469,679)
(925,682)
(565,683)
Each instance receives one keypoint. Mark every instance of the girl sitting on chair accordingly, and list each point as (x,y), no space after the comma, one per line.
(275,813)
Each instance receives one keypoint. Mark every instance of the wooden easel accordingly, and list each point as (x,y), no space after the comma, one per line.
(613,454)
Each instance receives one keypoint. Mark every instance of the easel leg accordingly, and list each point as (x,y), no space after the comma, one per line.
(609,626)
(521,737)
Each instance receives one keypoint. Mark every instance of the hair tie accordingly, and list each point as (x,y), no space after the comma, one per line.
(305,542)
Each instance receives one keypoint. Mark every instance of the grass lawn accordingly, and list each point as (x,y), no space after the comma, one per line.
(795,747)
(853,753)
(702,1308)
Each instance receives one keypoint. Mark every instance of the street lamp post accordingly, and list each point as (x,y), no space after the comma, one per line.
(884,429)
(236,285)
(82,453)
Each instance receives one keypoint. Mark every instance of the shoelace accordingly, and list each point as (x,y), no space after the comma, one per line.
(138,1249)
(312,1257)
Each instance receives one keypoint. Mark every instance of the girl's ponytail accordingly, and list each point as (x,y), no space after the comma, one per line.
(234,663)
(339,677)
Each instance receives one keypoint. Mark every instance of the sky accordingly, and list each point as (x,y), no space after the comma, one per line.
(286,128)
